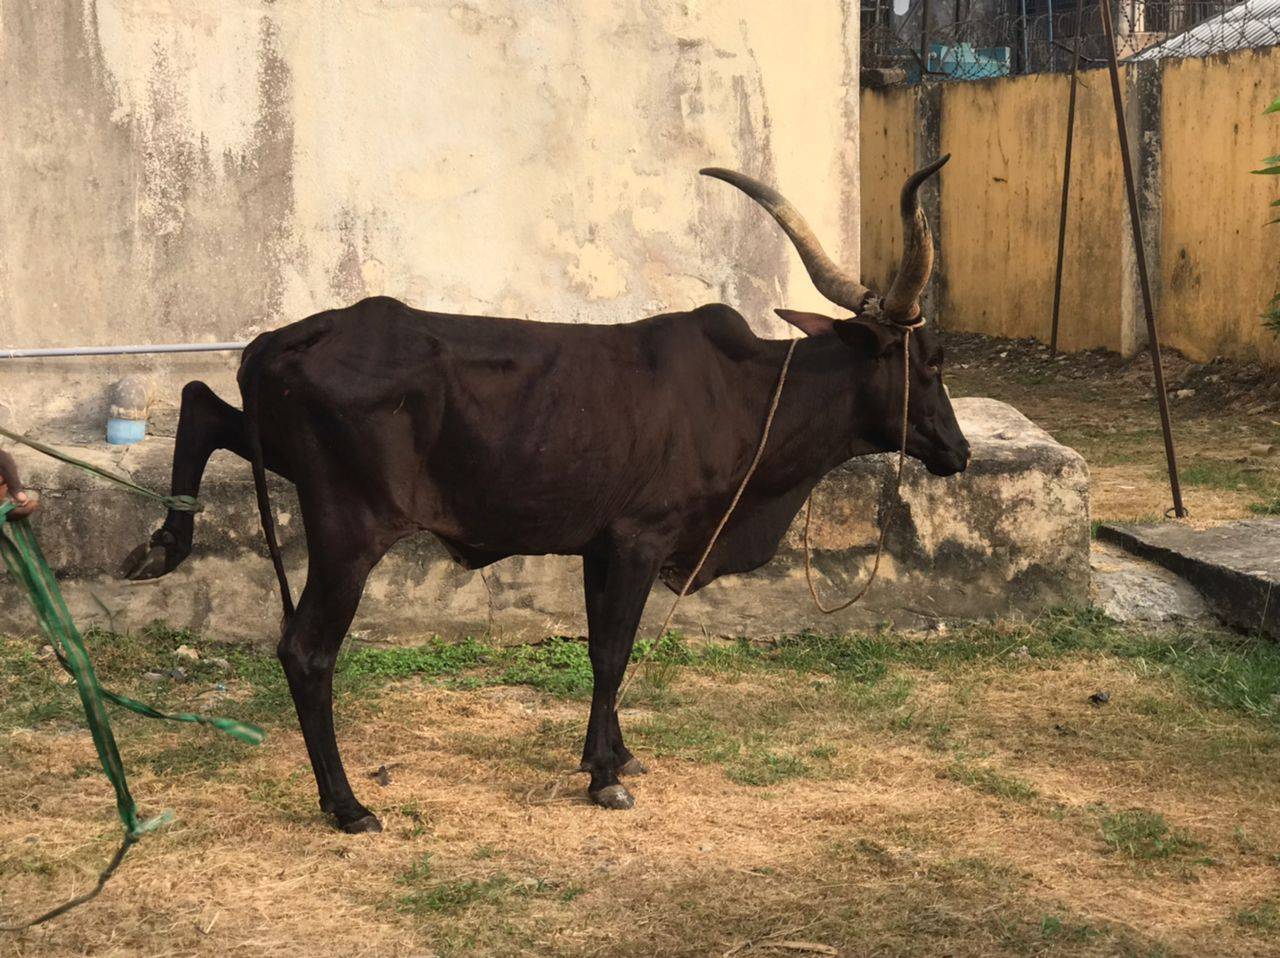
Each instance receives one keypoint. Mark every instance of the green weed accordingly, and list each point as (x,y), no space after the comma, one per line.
(1145,836)
(450,897)
(1264,917)
(989,781)
(558,666)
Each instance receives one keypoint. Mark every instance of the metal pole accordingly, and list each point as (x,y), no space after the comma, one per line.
(924,39)
(1140,254)
(1050,64)
(1066,179)
(44,353)
(1026,65)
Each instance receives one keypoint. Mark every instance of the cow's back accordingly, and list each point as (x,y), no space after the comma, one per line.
(512,435)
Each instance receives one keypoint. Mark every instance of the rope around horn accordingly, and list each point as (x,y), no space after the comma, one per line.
(808,565)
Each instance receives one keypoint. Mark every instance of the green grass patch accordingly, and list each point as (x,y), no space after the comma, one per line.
(751,751)
(1261,918)
(434,659)
(558,666)
(761,766)
(431,896)
(197,752)
(1144,835)
(989,781)
(1060,930)
(1230,476)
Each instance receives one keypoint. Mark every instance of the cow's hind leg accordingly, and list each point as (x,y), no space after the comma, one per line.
(339,565)
(616,587)
(205,423)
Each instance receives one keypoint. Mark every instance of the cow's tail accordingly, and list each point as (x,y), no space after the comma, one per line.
(257,356)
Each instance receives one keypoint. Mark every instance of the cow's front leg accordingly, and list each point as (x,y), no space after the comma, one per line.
(205,423)
(617,585)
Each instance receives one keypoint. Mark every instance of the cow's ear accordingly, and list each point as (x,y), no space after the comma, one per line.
(811,324)
(867,338)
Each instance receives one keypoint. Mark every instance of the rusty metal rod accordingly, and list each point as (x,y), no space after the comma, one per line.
(1066,179)
(924,39)
(1140,254)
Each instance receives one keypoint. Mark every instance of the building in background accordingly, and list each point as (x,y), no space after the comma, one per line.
(183,171)
(979,39)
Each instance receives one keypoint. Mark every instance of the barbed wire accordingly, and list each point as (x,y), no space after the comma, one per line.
(943,45)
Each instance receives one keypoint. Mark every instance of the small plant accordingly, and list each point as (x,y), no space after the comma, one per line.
(991,782)
(1264,918)
(1145,836)
(1271,167)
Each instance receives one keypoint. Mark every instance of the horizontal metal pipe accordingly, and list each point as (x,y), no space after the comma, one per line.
(44,353)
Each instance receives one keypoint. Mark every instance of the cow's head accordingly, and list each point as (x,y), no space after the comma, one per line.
(875,335)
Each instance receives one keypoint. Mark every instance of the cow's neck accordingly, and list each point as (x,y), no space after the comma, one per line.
(820,421)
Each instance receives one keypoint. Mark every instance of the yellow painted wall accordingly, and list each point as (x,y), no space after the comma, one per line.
(1218,266)
(1219,262)
(1001,195)
(888,157)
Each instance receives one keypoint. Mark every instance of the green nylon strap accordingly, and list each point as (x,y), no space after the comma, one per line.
(178,503)
(26,563)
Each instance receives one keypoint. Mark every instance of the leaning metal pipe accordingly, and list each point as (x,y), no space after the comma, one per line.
(46,352)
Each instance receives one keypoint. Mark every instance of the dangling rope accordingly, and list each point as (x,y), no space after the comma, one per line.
(178,503)
(886,510)
(742,486)
(724,520)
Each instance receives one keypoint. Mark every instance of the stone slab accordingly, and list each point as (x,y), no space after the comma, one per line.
(1010,535)
(1133,590)
(1235,566)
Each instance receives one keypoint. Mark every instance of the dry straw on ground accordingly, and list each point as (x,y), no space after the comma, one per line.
(891,846)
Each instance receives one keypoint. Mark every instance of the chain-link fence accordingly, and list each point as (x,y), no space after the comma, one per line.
(971,40)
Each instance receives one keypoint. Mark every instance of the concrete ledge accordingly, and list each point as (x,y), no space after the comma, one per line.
(1009,535)
(1235,566)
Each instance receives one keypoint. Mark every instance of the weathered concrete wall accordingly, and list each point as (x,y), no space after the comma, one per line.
(1220,262)
(178,170)
(889,149)
(1009,535)
(997,223)
(1196,129)
(1000,202)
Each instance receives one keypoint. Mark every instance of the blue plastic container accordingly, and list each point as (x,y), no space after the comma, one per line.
(125,432)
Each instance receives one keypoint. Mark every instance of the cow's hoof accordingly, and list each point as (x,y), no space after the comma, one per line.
(155,558)
(613,796)
(633,766)
(145,562)
(369,823)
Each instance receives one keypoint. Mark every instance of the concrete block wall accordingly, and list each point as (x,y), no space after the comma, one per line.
(1196,129)
(1008,536)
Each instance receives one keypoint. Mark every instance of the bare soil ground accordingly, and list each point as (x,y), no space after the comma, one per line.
(949,793)
(1226,422)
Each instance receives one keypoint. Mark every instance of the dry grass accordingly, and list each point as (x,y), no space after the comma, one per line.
(1105,408)
(896,797)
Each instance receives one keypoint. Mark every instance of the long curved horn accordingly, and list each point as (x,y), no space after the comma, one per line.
(902,303)
(829,279)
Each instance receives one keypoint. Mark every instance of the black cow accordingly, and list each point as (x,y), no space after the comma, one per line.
(620,444)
